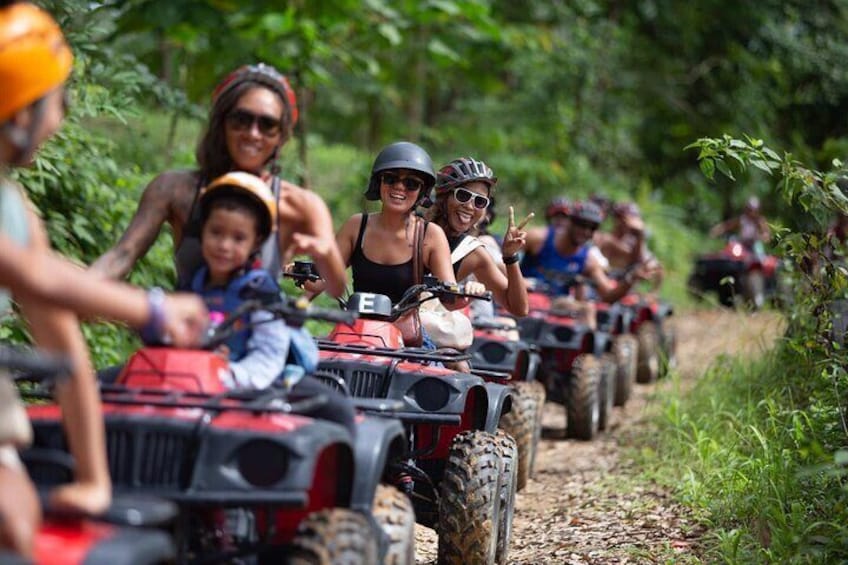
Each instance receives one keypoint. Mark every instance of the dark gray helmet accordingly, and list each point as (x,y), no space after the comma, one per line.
(586,211)
(401,155)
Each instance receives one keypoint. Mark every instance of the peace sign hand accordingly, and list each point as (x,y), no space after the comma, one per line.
(515,238)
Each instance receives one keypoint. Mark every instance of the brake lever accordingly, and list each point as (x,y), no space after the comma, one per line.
(300,280)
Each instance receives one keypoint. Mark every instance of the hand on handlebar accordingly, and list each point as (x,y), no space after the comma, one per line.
(463,295)
(223,352)
(639,272)
(305,276)
(185,320)
(455,296)
(474,288)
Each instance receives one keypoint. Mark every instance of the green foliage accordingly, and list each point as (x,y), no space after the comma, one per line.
(760,446)
(560,98)
(84,194)
(754,450)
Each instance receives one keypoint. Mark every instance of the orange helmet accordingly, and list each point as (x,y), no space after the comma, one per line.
(34,57)
(243,184)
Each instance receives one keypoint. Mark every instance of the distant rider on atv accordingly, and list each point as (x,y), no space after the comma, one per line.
(750,227)
(556,212)
(625,246)
(555,254)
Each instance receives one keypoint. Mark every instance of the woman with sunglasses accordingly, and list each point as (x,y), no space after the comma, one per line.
(379,247)
(464,188)
(566,252)
(252,115)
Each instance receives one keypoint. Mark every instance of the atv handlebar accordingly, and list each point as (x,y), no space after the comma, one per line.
(34,365)
(293,312)
(412,299)
(554,281)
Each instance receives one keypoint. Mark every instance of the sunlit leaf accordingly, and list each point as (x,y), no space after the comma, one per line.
(724,169)
(390,32)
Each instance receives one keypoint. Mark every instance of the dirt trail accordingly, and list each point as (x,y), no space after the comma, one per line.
(584,506)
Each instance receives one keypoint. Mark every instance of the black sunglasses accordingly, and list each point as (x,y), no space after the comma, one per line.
(242,120)
(409,183)
(463,195)
(586,225)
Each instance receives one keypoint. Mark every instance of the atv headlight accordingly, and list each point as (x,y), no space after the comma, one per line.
(494,352)
(262,463)
(430,394)
(563,333)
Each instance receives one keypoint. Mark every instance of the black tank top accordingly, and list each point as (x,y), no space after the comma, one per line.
(188,257)
(368,276)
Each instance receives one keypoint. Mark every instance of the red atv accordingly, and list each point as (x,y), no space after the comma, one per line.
(253,476)
(107,539)
(572,372)
(657,342)
(460,469)
(735,272)
(123,535)
(498,349)
(615,320)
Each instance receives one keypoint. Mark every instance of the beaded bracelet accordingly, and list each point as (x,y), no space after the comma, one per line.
(154,328)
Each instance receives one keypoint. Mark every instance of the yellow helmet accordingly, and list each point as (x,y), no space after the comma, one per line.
(244,184)
(34,56)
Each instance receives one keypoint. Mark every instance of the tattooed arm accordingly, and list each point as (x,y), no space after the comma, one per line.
(163,201)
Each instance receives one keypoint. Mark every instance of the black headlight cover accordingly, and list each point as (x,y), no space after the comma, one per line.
(494,352)
(261,462)
(431,394)
(563,333)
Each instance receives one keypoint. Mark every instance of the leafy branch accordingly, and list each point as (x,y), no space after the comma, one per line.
(818,193)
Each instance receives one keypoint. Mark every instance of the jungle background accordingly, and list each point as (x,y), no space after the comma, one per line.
(560,98)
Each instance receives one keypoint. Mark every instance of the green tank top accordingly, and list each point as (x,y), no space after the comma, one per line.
(13,223)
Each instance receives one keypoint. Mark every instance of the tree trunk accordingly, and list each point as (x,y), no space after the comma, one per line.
(419,85)
(166,73)
(374,123)
(304,97)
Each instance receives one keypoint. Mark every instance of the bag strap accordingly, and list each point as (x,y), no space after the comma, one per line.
(465,247)
(417,250)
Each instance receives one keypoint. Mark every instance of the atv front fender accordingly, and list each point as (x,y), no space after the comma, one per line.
(379,441)
(602,343)
(499,403)
(529,361)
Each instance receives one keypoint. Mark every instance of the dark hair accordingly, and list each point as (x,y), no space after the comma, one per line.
(212,155)
(488,217)
(233,201)
(438,212)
